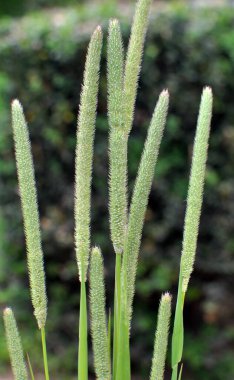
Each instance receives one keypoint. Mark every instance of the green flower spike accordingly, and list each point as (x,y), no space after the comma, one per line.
(196,186)
(117,138)
(141,193)
(28,196)
(133,60)
(98,317)
(84,152)
(161,338)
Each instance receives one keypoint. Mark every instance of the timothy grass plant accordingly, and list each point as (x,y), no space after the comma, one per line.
(111,336)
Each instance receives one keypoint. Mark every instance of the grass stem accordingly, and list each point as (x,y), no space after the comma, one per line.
(43,341)
(83,345)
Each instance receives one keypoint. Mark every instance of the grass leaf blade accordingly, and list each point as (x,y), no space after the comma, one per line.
(30,368)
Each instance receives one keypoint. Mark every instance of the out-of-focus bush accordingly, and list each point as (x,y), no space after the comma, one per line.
(17,8)
(41,62)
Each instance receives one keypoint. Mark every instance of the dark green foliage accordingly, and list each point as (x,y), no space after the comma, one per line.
(41,62)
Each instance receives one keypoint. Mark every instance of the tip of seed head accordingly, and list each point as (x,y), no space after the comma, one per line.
(208,90)
(114,22)
(98,30)
(96,250)
(7,311)
(167,297)
(16,103)
(165,92)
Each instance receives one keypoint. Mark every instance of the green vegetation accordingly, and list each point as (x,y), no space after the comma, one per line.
(123,84)
(59,139)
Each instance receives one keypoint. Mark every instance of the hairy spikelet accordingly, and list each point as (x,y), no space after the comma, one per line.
(117,138)
(141,193)
(196,186)
(133,60)
(84,152)
(28,196)
(14,346)
(98,316)
(161,338)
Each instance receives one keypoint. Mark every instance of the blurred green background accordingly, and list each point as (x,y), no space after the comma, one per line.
(42,54)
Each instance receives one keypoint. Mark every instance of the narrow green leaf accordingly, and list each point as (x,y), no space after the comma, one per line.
(30,368)
(181,370)
(98,317)
(84,152)
(83,336)
(28,195)
(178,331)
(14,346)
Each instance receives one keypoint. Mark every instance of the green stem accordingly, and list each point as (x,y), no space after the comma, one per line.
(116,310)
(30,368)
(43,341)
(83,336)
(174,373)
(109,336)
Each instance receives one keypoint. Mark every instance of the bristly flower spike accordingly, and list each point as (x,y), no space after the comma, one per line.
(28,196)
(14,346)
(98,316)
(117,138)
(196,186)
(133,60)
(141,193)
(84,152)
(161,338)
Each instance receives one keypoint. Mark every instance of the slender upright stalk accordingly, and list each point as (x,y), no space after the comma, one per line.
(83,336)
(30,368)
(44,350)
